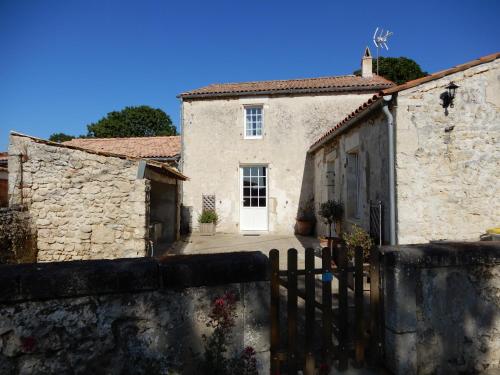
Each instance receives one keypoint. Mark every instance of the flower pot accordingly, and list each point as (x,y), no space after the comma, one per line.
(304,227)
(207,229)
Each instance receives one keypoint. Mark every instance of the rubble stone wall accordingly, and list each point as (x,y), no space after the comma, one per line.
(448,166)
(82,205)
(128,316)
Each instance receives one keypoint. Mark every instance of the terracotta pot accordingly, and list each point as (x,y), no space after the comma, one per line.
(304,227)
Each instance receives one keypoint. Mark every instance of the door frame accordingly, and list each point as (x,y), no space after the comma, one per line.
(240,195)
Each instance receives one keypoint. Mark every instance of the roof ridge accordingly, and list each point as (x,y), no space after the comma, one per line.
(282,80)
(115,138)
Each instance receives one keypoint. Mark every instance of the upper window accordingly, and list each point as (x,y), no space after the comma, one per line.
(253,122)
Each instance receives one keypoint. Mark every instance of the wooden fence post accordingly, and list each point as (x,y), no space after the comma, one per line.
(358,307)
(375,309)
(327,304)
(292,311)
(343,308)
(309,367)
(275,311)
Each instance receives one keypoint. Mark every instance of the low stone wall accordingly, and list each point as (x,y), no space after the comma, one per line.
(127,316)
(17,238)
(82,205)
(442,308)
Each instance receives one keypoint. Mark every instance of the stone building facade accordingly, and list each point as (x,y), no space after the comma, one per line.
(83,204)
(447,161)
(261,181)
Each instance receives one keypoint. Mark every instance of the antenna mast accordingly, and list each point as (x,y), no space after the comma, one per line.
(380,40)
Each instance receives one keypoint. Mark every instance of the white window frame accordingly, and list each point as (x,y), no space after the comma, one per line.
(254,106)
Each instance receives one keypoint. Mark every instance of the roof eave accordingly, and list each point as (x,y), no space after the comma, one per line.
(347,125)
(325,90)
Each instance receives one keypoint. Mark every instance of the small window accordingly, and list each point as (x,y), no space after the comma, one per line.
(353,204)
(253,122)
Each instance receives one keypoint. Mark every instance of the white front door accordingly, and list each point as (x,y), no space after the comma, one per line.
(253,189)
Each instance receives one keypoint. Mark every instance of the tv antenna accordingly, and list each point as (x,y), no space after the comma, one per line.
(380,40)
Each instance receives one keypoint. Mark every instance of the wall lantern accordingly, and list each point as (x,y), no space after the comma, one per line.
(448,96)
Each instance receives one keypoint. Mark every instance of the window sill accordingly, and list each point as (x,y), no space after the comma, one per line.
(253,137)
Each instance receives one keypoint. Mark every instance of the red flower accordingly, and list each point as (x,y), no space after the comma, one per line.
(28,343)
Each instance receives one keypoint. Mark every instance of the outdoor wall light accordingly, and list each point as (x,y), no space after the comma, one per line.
(448,96)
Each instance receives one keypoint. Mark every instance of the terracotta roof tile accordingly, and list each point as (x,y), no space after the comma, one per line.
(4,155)
(139,147)
(291,86)
(376,98)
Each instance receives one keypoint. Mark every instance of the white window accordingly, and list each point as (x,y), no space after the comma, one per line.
(253,122)
(353,204)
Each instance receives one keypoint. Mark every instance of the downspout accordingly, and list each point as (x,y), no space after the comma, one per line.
(392,187)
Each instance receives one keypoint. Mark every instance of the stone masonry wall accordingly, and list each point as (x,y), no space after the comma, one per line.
(448,167)
(442,308)
(128,316)
(82,205)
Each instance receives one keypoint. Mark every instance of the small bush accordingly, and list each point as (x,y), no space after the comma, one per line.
(208,216)
(358,237)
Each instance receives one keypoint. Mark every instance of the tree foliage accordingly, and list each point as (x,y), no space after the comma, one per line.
(61,137)
(141,121)
(397,69)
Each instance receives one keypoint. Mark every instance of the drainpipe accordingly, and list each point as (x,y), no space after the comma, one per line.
(392,188)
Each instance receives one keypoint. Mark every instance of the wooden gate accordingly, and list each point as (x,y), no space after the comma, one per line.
(346,328)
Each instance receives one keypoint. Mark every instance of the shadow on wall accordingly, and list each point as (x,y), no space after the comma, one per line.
(443,308)
(306,205)
(129,316)
(18,240)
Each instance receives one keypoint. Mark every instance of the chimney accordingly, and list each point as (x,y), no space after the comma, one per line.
(366,64)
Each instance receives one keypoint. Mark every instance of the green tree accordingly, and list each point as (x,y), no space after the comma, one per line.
(142,121)
(60,137)
(397,69)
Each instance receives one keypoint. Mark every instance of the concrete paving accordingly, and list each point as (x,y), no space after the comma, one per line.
(225,242)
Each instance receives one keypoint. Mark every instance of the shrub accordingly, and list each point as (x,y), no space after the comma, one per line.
(358,237)
(208,216)
(222,320)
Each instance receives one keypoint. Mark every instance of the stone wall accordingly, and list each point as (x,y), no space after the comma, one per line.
(442,308)
(133,316)
(448,166)
(17,237)
(82,205)
(214,146)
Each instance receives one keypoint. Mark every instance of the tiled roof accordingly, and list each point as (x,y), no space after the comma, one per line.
(139,147)
(4,156)
(153,163)
(378,97)
(291,86)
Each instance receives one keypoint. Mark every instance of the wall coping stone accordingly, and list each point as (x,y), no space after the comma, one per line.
(42,281)
(442,254)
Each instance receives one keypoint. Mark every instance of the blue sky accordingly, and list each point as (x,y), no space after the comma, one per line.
(65,64)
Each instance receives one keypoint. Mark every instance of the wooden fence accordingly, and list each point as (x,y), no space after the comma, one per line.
(346,328)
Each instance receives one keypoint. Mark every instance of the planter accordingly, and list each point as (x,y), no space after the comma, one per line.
(207,229)
(304,227)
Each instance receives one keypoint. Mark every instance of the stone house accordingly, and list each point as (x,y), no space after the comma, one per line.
(445,161)
(86,204)
(244,145)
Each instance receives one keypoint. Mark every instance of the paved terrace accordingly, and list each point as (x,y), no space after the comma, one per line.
(225,243)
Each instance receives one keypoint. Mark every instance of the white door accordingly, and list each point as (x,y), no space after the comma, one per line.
(253,207)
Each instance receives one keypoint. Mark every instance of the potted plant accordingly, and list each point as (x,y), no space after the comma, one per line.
(305,219)
(332,213)
(208,220)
